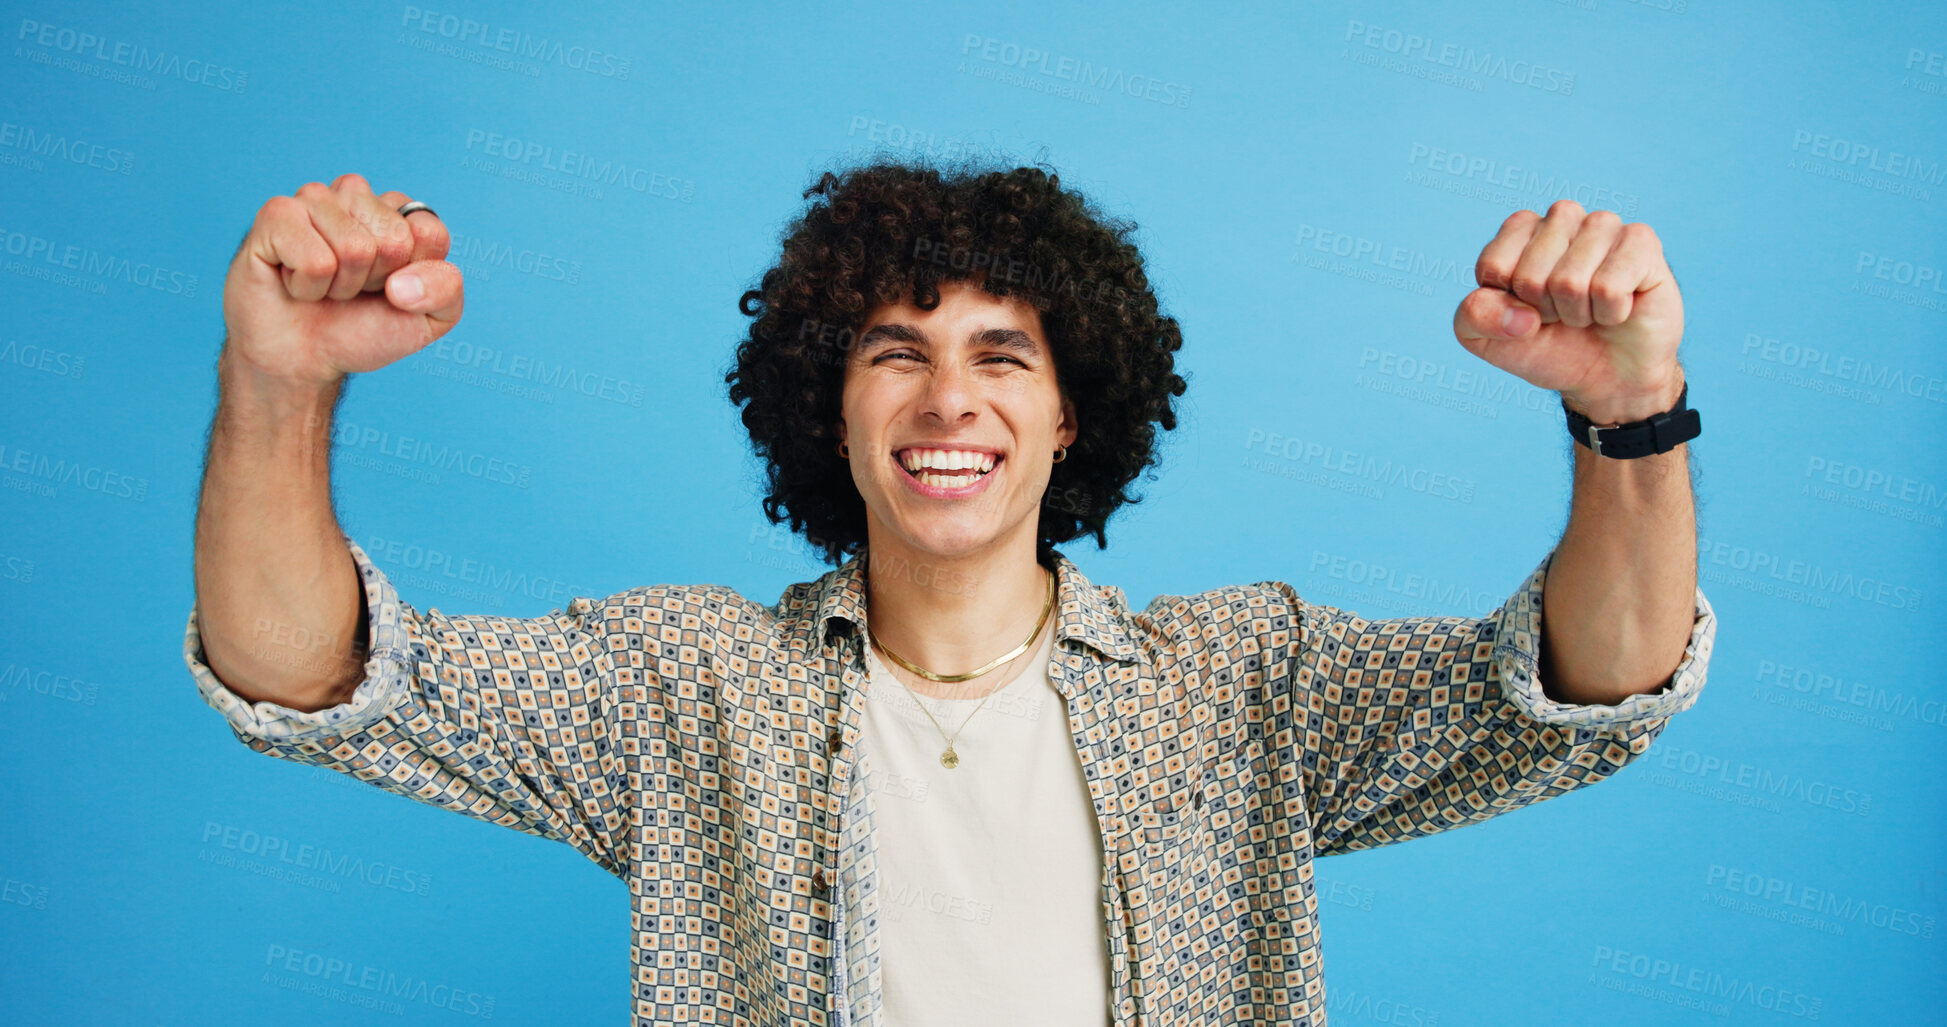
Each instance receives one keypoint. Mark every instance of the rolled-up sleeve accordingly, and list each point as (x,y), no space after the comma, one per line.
(1416,725)
(1517,656)
(511,721)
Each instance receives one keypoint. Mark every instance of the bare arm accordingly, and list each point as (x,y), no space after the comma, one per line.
(1619,602)
(278,598)
(1585,304)
(319,289)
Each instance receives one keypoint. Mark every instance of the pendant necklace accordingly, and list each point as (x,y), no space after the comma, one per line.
(949,758)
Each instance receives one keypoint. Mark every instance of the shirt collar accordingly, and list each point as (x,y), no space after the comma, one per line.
(1085,611)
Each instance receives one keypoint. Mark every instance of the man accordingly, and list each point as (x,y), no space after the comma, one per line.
(946,377)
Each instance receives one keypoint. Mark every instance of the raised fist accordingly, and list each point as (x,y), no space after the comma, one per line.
(333,281)
(1580,303)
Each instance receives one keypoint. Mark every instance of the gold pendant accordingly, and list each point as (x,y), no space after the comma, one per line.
(949,759)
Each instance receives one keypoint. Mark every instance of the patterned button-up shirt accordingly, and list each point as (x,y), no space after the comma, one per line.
(702,747)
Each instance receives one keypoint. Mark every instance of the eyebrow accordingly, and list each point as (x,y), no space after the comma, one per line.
(1006,338)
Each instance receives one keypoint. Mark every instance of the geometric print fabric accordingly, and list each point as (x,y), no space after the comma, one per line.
(702,747)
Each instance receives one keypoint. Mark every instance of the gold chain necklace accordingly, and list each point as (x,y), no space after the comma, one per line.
(948,758)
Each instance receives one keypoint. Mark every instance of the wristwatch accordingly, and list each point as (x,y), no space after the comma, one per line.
(1659,434)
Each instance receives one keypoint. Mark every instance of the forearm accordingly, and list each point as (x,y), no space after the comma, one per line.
(278,600)
(1618,605)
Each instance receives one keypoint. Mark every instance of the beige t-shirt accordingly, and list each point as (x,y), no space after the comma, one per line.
(991,872)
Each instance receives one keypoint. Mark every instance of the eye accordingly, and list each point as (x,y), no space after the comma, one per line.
(915,356)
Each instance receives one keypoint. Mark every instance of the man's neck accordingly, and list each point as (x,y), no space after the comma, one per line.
(956,615)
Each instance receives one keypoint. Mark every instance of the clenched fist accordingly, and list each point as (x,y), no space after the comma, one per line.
(333,281)
(1582,304)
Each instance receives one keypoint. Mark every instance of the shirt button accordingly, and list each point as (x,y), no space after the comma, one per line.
(818,879)
(833,741)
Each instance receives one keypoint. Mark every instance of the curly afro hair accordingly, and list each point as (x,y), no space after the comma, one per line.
(874,234)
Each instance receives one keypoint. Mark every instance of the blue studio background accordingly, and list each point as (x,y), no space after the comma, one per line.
(1313,182)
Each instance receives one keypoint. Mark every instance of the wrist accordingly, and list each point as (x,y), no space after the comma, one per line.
(238,374)
(1629,407)
(273,405)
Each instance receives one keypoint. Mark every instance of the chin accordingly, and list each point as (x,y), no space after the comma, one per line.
(949,539)
(950,544)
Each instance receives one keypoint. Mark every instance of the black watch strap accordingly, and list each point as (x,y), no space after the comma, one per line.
(1659,434)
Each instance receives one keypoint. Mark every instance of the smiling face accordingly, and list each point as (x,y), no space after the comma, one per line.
(966,394)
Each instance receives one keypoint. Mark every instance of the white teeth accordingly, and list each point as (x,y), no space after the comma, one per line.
(917,460)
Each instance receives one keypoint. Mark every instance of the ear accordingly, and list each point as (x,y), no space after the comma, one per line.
(841,429)
(1070,427)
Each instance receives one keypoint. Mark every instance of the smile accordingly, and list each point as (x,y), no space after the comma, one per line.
(946,473)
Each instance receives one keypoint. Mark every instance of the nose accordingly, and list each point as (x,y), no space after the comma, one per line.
(950,395)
